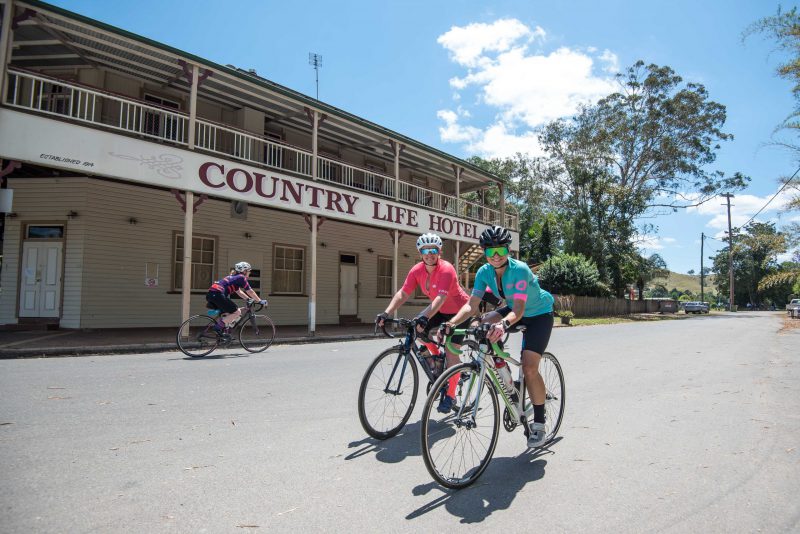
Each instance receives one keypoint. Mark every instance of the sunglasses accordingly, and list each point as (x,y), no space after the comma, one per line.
(496,251)
(426,251)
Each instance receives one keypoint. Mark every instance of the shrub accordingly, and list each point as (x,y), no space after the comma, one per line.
(571,274)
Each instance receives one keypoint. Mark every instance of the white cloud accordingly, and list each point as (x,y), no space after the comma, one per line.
(649,243)
(743,207)
(524,89)
(468,45)
(497,142)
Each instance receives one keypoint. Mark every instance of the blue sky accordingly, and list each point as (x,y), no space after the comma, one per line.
(477,77)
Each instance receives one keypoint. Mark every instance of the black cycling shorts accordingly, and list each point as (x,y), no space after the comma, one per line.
(221,301)
(440,318)
(537,330)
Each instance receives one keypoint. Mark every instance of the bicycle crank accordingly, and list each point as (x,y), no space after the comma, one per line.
(508,423)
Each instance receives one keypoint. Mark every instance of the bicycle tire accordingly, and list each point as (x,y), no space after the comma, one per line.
(385,415)
(258,338)
(556,395)
(196,336)
(448,442)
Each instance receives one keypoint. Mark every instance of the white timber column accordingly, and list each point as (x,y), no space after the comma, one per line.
(312,294)
(396,148)
(457,174)
(5,45)
(396,239)
(188,209)
(457,171)
(502,205)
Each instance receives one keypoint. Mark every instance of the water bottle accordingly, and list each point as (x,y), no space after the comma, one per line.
(505,376)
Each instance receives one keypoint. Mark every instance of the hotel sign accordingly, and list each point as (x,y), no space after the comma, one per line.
(93,152)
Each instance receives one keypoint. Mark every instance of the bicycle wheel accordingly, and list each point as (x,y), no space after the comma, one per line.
(458,446)
(257,333)
(553,377)
(197,337)
(388,393)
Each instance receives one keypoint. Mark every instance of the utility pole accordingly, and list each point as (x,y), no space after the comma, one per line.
(315,60)
(702,275)
(728,197)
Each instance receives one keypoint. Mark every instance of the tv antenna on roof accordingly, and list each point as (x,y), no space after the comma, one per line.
(315,60)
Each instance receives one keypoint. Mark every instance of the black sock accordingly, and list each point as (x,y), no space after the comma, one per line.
(538,413)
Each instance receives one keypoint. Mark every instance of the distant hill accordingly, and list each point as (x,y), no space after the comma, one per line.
(683,282)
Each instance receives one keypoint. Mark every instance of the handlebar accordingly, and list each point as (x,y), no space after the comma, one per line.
(405,323)
(479,333)
(255,305)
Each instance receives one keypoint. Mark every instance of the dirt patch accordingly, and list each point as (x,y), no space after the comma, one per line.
(789,324)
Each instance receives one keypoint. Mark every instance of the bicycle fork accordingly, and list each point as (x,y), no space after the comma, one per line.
(397,391)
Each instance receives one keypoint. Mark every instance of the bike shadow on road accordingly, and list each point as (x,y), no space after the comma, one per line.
(216,356)
(495,490)
(392,450)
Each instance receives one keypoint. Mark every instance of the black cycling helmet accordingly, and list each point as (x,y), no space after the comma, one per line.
(495,236)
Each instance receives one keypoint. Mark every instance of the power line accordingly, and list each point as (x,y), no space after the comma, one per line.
(773,198)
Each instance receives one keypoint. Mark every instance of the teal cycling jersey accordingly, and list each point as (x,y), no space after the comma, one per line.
(519,283)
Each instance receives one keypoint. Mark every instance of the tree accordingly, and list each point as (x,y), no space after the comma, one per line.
(524,179)
(648,269)
(784,29)
(755,252)
(690,272)
(636,151)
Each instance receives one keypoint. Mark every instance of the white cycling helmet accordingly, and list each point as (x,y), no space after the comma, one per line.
(242,266)
(429,240)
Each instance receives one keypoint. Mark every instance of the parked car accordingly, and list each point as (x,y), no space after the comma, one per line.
(695,307)
(793,308)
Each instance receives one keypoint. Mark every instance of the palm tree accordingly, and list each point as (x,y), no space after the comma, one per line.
(648,269)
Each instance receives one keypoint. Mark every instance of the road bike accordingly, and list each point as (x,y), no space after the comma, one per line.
(201,334)
(390,385)
(458,446)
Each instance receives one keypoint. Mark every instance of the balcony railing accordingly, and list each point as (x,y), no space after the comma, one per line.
(51,96)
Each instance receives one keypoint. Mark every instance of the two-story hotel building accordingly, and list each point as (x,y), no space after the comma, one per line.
(134,174)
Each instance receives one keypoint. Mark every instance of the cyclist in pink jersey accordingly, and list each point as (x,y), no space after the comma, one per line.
(438,280)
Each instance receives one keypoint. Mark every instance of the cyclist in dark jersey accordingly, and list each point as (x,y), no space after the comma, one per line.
(220,292)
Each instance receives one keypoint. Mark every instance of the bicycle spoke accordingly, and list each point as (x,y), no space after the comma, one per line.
(457,448)
(257,333)
(388,393)
(196,337)
(553,377)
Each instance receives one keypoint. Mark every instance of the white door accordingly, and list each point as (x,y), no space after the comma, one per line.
(348,293)
(40,285)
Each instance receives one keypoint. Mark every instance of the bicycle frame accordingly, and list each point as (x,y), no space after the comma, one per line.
(408,346)
(488,369)
(248,314)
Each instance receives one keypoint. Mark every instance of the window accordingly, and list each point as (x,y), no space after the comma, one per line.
(204,252)
(161,123)
(45,232)
(384,276)
(288,269)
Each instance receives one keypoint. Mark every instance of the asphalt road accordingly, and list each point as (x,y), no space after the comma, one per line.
(670,426)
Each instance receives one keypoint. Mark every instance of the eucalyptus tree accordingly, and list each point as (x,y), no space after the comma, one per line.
(637,152)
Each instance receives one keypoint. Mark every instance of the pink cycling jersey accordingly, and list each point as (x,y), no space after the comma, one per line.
(442,281)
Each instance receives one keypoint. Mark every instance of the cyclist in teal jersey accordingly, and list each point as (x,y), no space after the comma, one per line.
(531,306)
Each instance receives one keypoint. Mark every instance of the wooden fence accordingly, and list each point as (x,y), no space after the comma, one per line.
(599,307)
